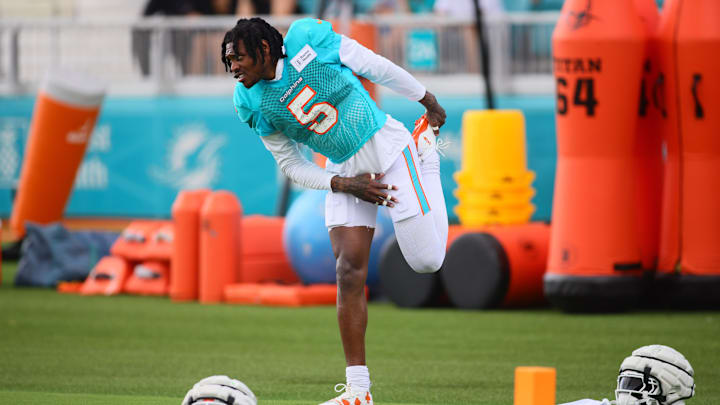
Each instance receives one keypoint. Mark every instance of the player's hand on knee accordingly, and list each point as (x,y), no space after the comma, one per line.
(367,187)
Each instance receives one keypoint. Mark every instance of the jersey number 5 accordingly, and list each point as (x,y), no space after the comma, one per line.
(297,108)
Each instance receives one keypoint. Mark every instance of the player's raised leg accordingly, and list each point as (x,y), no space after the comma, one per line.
(430,172)
(420,216)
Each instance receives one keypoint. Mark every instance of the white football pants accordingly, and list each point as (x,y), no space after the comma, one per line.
(419,217)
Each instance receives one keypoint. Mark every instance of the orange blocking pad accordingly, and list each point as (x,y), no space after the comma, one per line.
(184,263)
(219,245)
(295,295)
(698,42)
(135,241)
(597,250)
(263,255)
(534,386)
(159,246)
(69,287)
(243,293)
(149,278)
(107,277)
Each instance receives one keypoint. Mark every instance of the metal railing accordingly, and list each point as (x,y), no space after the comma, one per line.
(171,55)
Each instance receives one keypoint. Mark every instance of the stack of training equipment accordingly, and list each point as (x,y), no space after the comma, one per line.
(494,185)
(139,262)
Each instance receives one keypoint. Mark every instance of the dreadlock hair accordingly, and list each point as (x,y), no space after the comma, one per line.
(252,32)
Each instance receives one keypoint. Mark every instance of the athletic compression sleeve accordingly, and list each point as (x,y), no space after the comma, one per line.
(294,165)
(379,70)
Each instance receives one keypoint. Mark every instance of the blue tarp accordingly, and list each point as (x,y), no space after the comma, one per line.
(51,253)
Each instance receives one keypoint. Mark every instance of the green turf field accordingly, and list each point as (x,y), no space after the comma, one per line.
(67,349)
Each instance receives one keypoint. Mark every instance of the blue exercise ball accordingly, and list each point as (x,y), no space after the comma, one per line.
(307,242)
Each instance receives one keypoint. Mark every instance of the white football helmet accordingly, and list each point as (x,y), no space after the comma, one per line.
(220,390)
(655,375)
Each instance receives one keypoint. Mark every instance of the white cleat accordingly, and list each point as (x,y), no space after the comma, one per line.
(350,396)
(424,137)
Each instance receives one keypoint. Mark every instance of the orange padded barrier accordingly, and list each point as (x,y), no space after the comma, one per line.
(245,293)
(282,295)
(159,245)
(263,256)
(63,120)
(149,278)
(648,146)
(135,241)
(497,265)
(285,296)
(185,263)
(320,294)
(689,267)
(665,96)
(69,287)
(219,245)
(598,52)
(534,386)
(107,277)
(698,72)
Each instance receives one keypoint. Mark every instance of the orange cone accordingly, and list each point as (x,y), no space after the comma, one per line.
(534,386)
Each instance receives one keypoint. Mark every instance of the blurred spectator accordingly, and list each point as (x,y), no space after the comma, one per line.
(168,7)
(193,50)
(463,8)
(215,7)
(468,35)
(179,40)
(404,6)
(265,7)
(336,8)
(204,53)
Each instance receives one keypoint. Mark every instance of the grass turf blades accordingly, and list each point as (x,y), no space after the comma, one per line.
(67,349)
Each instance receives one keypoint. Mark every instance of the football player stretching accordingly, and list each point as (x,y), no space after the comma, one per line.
(302,89)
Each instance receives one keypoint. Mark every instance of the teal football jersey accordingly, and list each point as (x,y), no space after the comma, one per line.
(318,101)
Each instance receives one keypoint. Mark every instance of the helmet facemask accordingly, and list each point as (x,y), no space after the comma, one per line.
(635,388)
